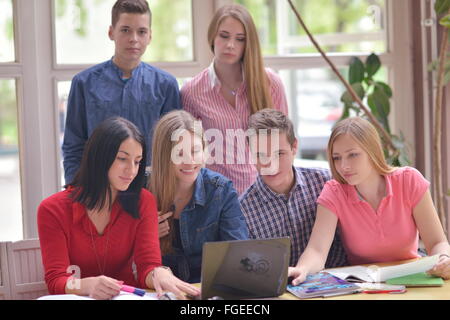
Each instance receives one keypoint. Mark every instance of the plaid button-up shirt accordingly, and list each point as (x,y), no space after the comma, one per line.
(270,215)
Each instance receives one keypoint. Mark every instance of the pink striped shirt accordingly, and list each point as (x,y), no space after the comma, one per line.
(202,98)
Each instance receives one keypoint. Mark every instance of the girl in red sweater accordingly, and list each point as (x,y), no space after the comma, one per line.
(94,232)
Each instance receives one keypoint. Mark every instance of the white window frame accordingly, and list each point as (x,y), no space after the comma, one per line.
(37,75)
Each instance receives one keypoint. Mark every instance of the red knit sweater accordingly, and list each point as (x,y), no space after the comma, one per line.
(69,238)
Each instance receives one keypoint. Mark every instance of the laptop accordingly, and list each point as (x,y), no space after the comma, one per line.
(245,269)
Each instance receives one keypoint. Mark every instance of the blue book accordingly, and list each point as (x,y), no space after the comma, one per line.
(323,284)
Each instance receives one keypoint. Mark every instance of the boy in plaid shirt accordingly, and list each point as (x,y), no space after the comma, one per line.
(282,201)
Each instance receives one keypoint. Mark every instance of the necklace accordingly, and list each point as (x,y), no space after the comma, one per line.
(231,90)
(101,269)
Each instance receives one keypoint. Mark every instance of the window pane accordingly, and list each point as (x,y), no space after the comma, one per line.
(6,31)
(172,38)
(314,97)
(11,227)
(82,31)
(344,26)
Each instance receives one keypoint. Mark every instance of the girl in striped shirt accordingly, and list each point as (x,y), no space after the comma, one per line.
(233,87)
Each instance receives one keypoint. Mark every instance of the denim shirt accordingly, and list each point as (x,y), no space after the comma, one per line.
(100,92)
(212,214)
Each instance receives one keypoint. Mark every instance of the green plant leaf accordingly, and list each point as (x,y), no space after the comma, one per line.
(380,107)
(373,106)
(445,21)
(358,88)
(356,71)
(373,64)
(346,98)
(441,6)
(383,99)
(385,87)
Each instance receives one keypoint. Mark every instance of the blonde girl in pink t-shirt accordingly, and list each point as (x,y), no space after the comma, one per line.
(380,210)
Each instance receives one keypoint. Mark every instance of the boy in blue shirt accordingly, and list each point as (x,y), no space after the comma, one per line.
(122,86)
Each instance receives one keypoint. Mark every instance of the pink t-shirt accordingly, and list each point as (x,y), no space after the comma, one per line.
(388,234)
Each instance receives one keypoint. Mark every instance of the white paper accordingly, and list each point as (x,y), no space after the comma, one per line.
(64,297)
(405,269)
(346,272)
(381,274)
(121,296)
(132,296)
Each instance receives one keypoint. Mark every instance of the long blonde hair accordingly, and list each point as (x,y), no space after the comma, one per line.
(163,182)
(365,134)
(256,80)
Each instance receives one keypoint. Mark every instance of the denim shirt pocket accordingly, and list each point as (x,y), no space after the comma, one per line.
(207,233)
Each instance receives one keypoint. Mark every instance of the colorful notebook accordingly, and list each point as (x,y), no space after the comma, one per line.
(421,279)
(323,284)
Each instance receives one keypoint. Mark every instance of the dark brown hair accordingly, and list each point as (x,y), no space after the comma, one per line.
(129,6)
(271,119)
(91,183)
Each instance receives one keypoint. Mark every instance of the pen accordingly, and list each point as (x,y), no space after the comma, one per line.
(134,290)
(384,291)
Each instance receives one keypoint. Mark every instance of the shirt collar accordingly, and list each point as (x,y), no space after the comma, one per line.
(299,179)
(199,196)
(119,72)
(214,80)
(354,197)
(268,194)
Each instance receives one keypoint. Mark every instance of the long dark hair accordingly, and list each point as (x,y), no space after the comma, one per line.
(91,185)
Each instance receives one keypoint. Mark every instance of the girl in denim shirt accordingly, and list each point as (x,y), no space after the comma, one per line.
(196,205)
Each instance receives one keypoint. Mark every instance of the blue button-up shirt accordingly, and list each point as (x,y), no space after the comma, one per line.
(100,92)
(212,214)
(270,215)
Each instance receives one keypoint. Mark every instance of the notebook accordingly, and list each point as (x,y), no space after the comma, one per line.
(421,279)
(323,284)
(245,269)
(381,274)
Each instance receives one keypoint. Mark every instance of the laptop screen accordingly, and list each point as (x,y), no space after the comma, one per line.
(245,269)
